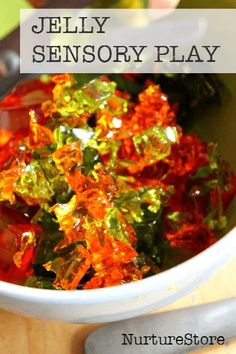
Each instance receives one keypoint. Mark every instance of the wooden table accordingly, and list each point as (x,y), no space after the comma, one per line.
(19,335)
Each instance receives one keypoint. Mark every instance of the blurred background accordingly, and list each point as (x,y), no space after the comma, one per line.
(9,13)
(10,18)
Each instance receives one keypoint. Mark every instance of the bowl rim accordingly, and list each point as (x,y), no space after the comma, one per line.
(136,288)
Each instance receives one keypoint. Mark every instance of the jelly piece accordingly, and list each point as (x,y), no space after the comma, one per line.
(27,94)
(8,179)
(40,181)
(15,151)
(132,202)
(64,214)
(39,135)
(5,136)
(112,262)
(68,157)
(140,137)
(74,106)
(195,237)
(153,109)
(188,155)
(118,227)
(18,245)
(33,186)
(71,268)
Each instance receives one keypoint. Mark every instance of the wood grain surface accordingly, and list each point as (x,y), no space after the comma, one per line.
(19,335)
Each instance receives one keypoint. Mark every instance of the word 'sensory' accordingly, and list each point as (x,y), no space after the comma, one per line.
(119,54)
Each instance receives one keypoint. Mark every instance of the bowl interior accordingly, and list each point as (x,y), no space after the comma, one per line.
(215,123)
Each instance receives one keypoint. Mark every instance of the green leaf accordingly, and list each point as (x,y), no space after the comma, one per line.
(39,282)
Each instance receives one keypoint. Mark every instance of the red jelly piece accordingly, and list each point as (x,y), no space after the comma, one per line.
(17,250)
(27,94)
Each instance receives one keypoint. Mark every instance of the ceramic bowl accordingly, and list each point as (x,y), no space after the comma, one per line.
(126,301)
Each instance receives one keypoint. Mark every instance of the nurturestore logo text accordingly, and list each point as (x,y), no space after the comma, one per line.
(188,339)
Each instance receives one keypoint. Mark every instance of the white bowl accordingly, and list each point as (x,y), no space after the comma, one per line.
(129,300)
